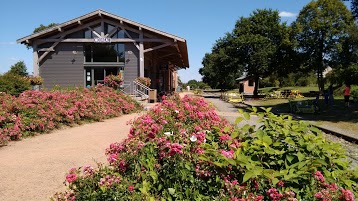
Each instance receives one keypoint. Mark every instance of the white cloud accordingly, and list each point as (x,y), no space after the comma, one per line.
(287,14)
(14,58)
(7,43)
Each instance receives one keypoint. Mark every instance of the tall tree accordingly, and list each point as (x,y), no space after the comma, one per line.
(259,42)
(220,67)
(19,68)
(354,8)
(320,28)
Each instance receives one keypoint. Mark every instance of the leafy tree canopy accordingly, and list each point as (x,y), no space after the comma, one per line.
(320,28)
(220,67)
(262,43)
(18,68)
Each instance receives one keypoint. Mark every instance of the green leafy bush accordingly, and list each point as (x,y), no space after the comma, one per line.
(181,150)
(354,91)
(13,84)
(282,153)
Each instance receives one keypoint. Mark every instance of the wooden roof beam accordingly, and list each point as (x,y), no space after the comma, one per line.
(129,36)
(90,40)
(158,47)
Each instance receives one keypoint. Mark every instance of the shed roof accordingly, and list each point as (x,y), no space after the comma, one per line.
(243,77)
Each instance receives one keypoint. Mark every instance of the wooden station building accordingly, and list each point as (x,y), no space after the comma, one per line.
(82,51)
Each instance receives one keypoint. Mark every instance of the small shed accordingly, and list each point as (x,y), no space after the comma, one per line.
(246,84)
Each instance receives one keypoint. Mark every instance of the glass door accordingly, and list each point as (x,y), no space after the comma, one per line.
(99,76)
(96,75)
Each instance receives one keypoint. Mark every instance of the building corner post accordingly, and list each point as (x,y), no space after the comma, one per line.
(35,61)
(141,55)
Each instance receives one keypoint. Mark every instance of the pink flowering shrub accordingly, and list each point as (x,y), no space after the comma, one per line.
(182,150)
(113,81)
(41,111)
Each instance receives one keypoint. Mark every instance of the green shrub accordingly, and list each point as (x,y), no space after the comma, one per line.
(299,79)
(282,151)
(354,91)
(181,150)
(13,84)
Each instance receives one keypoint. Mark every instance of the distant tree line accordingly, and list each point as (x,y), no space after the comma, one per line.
(324,34)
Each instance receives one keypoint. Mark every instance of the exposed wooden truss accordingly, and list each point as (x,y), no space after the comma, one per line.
(138,42)
(114,40)
(47,52)
(158,47)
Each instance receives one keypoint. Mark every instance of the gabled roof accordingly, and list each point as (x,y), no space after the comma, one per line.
(88,17)
(243,77)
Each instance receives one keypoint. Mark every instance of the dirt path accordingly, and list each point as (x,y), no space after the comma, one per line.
(35,168)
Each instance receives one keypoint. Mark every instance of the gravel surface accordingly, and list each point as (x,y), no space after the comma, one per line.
(35,168)
(230,112)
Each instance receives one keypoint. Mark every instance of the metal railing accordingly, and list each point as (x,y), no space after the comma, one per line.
(140,90)
(127,87)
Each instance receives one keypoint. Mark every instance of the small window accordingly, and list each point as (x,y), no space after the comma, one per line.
(251,82)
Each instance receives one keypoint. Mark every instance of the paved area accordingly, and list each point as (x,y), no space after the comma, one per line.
(35,168)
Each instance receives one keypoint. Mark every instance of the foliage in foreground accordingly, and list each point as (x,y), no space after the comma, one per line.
(182,150)
(41,111)
(13,84)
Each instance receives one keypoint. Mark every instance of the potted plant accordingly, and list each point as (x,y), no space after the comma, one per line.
(144,80)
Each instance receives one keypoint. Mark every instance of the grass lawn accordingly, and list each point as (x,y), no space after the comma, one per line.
(301,89)
(336,115)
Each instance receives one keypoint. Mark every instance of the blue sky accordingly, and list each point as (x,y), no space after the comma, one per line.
(200,22)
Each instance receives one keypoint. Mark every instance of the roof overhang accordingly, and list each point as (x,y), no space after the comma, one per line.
(181,42)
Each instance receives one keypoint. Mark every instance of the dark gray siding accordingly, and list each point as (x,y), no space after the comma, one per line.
(64,67)
(131,65)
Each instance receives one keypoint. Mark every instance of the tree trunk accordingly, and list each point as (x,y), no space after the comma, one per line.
(256,86)
(321,64)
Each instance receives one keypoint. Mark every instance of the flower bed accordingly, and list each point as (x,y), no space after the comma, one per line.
(41,111)
(182,150)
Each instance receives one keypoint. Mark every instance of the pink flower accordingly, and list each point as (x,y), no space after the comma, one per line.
(319,176)
(88,170)
(72,170)
(347,195)
(225,137)
(71,178)
(227,154)
(333,187)
(131,188)
(112,158)
(274,194)
(281,183)
(318,195)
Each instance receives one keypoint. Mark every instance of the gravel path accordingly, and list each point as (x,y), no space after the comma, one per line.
(229,111)
(35,168)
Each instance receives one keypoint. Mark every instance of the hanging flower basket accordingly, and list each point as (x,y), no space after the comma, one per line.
(114,81)
(144,80)
(36,80)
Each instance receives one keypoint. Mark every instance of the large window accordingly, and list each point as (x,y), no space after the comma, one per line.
(98,52)
(104,52)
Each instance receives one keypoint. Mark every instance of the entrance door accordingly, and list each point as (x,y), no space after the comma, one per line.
(96,75)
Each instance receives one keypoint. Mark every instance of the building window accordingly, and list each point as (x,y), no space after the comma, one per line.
(251,82)
(104,52)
